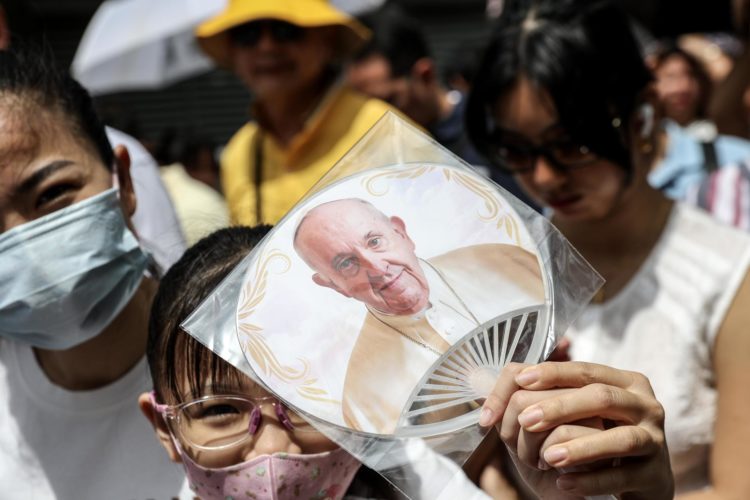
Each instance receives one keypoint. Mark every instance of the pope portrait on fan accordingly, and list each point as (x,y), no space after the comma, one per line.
(416,308)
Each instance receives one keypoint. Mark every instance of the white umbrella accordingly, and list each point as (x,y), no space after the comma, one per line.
(142,44)
(357,7)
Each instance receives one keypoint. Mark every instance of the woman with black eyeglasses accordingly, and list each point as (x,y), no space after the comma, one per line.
(288,54)
(563,102)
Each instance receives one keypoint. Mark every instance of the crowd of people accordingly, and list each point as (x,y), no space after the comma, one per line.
(625,144)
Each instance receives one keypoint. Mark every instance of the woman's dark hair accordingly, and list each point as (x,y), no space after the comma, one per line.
(23,20)
(172,353)
(583,53)
(30,78)
(696,68)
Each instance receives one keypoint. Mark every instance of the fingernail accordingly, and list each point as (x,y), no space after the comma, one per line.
(554,456)
(565,483)
(485,417)
(527,377)
(542,465)
(531,416)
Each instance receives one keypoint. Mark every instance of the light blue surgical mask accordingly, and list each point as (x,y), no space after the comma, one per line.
(64,277)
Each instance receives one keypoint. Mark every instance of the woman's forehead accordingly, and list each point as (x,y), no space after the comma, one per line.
(29,131)
(526,108)
(33,124)
(19,138)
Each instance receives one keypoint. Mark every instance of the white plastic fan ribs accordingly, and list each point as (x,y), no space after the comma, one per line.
(467,372)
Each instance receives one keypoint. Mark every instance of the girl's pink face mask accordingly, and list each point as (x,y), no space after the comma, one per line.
(279,476)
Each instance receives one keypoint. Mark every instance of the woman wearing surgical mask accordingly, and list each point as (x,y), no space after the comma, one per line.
(76,290)
(564,102)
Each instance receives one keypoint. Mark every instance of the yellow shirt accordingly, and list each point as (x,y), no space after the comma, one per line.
(288,173)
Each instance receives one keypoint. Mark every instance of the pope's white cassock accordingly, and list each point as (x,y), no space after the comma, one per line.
(468,287)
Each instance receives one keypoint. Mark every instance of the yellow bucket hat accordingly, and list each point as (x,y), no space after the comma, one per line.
(213,35)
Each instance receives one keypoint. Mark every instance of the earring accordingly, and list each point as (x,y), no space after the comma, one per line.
(646,147)
(646,114)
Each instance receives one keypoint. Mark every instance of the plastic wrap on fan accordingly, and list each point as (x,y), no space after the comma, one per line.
(383,306)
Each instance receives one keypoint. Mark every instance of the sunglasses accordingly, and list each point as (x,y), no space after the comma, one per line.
(515,155)
(248,35)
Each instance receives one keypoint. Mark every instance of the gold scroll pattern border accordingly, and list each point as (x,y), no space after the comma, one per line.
(255,345)
(495,212)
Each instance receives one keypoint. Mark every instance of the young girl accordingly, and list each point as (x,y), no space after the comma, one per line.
(234,439)
(564,102)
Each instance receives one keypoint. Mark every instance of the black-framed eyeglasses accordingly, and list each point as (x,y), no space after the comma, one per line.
(249,34)
(217,422)
(516,155)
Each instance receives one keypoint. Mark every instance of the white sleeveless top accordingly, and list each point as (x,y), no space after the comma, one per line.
(664,323)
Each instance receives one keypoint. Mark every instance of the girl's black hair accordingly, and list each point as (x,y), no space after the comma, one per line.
(29,76)
(174,357)
(583,53)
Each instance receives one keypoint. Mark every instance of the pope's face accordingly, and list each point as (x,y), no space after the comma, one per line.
(360,253)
